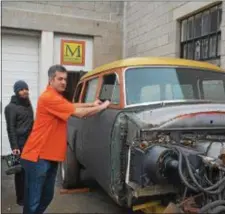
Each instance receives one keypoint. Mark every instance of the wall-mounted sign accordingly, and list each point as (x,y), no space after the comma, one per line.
(72,52)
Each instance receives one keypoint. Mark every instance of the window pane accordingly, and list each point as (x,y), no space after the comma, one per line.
(184,30)
(151,84)
(110,89)
(179,92)
(219,16)
(213,90)
(212,46)
(198,32)
(205,23)
(197,50)
(168,92)
(185,51)
(205,48)
(91,90)
(213,20)
(116,94)
(219,45)
(190,50)
(150,93)
(190,28)
(197,25)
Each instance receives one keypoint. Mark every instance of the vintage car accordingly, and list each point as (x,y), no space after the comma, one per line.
(161,139)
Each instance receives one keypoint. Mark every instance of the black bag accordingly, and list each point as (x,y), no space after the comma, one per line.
(13,163)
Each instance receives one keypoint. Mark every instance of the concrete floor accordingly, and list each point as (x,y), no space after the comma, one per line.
(95,201)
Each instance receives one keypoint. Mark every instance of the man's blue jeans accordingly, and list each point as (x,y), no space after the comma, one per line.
(40,179)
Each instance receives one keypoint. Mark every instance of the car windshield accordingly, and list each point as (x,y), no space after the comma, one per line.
(148,84)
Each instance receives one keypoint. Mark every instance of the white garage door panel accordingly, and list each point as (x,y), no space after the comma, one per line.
(14,66)
(20,60)
(10,79)
(9,40)
(20,50)
(30,75)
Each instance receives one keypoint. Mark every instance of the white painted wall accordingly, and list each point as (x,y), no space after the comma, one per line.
(46,58)
(88,51)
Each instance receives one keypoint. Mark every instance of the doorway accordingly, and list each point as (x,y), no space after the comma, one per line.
(72,81)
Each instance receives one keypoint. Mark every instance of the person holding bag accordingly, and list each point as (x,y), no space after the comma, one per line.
(19,121)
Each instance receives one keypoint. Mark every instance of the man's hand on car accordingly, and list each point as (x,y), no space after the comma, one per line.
(105,104)
(97,102)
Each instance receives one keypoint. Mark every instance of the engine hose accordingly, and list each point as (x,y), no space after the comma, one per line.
(206,190)
(207,180)
(213,186)
(212,205)
(200,188)
(218,210)
(181,174)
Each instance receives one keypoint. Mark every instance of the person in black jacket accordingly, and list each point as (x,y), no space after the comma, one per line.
(19,122)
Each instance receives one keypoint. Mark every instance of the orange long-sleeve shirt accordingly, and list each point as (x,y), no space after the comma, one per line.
(48,137)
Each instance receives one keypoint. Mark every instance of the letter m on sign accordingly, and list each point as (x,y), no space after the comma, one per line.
(72,52)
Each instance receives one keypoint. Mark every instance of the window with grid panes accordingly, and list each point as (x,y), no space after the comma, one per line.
(201,35)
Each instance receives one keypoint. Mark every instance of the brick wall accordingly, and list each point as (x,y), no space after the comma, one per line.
(107,11)
(223,38)
(101,20)
(152,28)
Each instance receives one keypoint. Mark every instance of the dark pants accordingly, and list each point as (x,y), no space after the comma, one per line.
(19,186)
(40,179)
(19,183)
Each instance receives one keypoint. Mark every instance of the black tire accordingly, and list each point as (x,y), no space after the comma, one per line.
(70,170)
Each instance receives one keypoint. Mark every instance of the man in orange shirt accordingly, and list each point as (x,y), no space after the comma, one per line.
(46,145)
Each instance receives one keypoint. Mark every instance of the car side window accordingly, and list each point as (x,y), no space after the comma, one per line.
(110,89)
(77,93)
(90,91)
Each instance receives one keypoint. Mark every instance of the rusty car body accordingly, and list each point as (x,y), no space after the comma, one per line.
(161,137)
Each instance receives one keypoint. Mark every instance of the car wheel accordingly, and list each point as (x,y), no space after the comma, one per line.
(70,170)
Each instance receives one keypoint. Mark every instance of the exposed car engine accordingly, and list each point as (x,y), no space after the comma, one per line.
(182,165)
(191,173)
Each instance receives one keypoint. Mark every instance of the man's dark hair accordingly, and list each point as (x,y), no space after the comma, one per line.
(54,68)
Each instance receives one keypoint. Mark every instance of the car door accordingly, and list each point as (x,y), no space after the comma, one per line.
(88,96)
(98,129)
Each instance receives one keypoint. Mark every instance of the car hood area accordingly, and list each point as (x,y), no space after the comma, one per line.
(184,116)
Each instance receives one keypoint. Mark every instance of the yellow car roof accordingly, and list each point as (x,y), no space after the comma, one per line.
(148,61)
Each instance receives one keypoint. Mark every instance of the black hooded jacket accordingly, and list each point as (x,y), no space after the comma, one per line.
(19,121)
